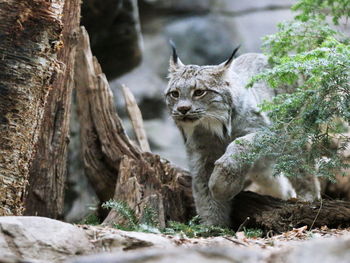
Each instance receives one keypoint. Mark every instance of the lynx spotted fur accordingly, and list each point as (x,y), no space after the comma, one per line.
(213,109)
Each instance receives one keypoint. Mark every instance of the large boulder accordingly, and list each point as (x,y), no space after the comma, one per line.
(203,40)
(40,239)
(176,6)
(115,34)
(230,7)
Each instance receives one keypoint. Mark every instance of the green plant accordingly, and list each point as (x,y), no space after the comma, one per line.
(311,61)
(91,219)
(195,229)
(252,232)
(148,223)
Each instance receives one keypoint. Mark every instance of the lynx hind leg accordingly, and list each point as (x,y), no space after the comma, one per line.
(307,187)
(276,186)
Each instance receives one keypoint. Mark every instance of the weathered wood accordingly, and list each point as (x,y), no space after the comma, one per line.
(135,116)
(154,183)
(31,37)
(103,139)
(113,164)
(270,213)
(48,169)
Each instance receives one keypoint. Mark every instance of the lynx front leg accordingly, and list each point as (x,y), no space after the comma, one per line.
(212,212)
(229,174)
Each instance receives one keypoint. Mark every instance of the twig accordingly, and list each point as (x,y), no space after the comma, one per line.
(136,119)
(318,212)
(243,224)
(235,241)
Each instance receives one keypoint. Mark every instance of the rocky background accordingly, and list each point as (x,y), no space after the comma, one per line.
(204,31)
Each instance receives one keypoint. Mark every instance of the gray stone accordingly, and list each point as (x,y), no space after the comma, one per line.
(114,240)
(80,197)
(193,6)
(39,239)
(166,141)
(331,250)
(206,40)
(249,6)
(254,26)
(146,86)
(179,255)
(115,34)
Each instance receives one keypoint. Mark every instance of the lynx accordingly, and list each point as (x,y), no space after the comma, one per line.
(213,110)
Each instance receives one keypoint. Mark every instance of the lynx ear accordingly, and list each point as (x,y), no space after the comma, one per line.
(228,62)
(174,63)
(222,68)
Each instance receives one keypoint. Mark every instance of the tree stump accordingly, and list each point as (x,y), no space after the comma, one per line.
(115,166)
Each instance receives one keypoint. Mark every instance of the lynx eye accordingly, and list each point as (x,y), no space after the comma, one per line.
(199,93)
(175,94)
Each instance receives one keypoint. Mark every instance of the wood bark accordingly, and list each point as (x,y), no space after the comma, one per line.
(48,169)
(103,139)
(151,182)
(270,213)
(31,36)
(136,119)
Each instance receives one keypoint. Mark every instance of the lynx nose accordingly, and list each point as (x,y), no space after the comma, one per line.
(184,108)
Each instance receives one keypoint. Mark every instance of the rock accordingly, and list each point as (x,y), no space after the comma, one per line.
(250,6)
(166,141)
(43,240)
(115,240)
(40,239)
(148,89)
(252,27)
(179,255)
(79,194)
(183,6)
(206,40)
(331,250)
(115,34)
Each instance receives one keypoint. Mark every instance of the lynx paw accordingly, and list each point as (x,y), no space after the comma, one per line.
(224,183)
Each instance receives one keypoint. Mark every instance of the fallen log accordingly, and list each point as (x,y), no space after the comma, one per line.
(119,170)
(269,213)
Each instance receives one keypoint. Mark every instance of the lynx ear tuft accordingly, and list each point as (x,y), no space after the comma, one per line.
(229,61)
(175,62)
(174,55)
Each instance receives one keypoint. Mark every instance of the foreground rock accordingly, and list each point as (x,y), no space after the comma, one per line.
(179,255)
(40,239)
(298,245)
(327,251)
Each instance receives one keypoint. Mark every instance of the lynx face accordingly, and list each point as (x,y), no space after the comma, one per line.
(200,96)
(197,97)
